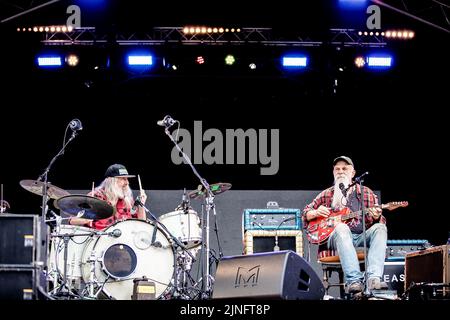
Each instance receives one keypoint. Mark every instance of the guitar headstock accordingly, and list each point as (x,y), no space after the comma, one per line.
(394,205)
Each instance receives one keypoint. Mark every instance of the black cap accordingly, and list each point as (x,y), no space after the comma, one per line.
(343,158)
(118,170)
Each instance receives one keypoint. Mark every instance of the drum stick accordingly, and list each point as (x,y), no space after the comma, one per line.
(140,185)
(93,188)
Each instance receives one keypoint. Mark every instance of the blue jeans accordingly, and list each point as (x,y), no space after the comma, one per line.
(345,242)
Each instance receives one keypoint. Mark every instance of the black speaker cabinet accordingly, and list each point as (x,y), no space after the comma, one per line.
(430,266)
(17,283)
(257,241)
(17,240)
(394,275)
(275,275)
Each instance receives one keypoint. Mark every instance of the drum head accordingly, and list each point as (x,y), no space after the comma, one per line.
(119,261)
(141,250)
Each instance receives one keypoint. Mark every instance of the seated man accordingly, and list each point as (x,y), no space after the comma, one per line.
(346,237)
(116,191)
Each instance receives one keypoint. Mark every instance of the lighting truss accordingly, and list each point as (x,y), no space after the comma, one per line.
(175,35)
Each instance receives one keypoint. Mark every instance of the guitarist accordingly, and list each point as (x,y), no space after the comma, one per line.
(345,238)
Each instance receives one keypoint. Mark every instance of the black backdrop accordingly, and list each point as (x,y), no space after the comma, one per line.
(391,124)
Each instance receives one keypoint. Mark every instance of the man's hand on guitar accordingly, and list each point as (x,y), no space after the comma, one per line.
(321,211)
(375,212)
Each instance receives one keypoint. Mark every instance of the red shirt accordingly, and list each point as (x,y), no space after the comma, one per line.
(121,212)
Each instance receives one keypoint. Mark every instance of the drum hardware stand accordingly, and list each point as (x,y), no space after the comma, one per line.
(167,122)
(172,237)
(42,256)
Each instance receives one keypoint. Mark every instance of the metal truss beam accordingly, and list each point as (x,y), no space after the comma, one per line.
(176,35)
(435,13)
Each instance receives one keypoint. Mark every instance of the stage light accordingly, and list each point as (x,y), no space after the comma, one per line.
(379,61)
(230,60)
(200,60)
(353,4)
(359,62)
(252,66)
(140,60)
(400,34)
(49,61)
(72,60)
(295,62)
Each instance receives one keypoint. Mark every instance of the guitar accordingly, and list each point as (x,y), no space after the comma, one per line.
(319,229)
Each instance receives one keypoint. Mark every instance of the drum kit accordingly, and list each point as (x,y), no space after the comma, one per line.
(85,263)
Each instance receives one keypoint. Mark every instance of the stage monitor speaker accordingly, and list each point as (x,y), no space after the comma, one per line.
(17,240)
(430,266)
(276,275)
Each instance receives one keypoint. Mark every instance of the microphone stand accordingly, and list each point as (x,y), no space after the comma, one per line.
(42,256)
(209,199)
(359,181)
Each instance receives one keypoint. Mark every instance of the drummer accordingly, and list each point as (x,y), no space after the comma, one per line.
(116,191)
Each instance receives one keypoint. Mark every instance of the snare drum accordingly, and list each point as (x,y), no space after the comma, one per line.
(185,225)
(138,250)
(78,239)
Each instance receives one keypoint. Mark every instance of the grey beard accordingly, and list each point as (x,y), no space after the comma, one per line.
(339,201)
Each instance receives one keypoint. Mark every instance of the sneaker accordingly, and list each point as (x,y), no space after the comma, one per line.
(355,287)
(377,284)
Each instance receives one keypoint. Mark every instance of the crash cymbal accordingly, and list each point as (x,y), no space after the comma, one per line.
(36,187)
(85,207)
(216,188)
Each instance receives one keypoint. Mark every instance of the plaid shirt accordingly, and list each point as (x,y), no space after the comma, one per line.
(121,212)
(325,198)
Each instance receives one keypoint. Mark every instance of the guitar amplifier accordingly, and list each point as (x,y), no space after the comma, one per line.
(430,267)
(272,219)
(397,249)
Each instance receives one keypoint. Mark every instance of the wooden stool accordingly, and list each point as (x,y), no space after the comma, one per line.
(332,264)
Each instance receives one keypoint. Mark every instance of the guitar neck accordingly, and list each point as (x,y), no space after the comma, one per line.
(355,214)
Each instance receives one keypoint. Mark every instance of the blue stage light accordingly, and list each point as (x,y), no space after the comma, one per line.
(295,61)
(379,61)
(141,60)
(49,61)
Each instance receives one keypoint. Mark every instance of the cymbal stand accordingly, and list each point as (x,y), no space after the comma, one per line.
(41,257)
(207,282)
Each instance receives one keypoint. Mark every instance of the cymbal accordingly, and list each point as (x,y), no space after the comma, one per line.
(216,188)
(85,207)
(36,187)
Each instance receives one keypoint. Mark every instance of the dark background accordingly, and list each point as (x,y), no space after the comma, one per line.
(390,123)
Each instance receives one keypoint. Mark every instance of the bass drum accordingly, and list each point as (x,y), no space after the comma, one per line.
(132,249)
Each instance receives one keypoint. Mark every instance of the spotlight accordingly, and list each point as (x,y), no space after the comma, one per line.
(72,60)
(230,60)
(252,66)
(200,60)
(359,62)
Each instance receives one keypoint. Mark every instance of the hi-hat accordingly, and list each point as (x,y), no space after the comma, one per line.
(85,207)
(36,187)
(216,188)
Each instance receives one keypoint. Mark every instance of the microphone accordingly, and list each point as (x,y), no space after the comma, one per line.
(75,125)
(343,189)
(137,203)
(115,233)
(166,122)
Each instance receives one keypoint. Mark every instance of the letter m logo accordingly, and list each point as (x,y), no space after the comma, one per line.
(246,276)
